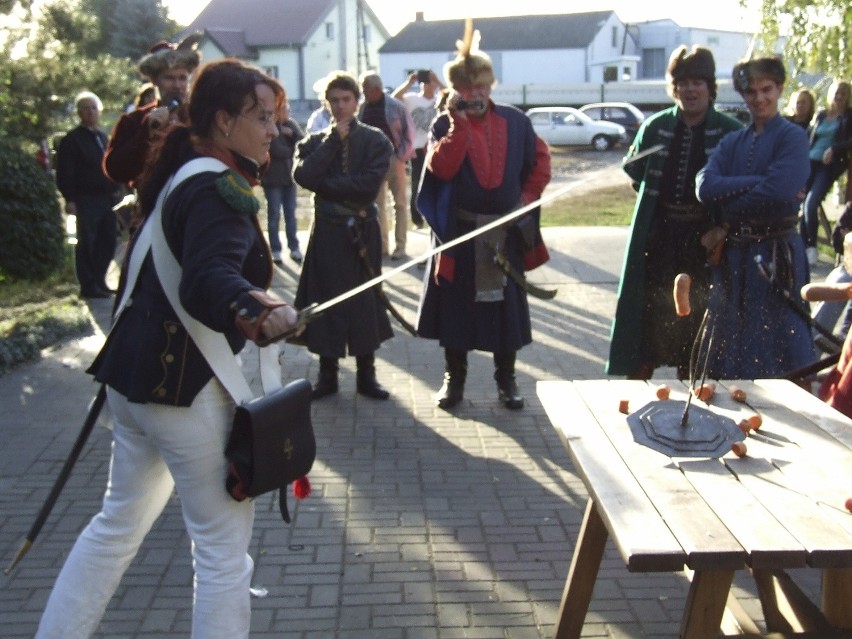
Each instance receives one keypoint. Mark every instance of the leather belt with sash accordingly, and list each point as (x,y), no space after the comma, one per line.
(492,266)
(692,212)
(747,231)
(339,213)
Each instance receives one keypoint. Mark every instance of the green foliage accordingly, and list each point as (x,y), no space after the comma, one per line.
(136,25)
(43,325)
(6,6)
(65,51)
(819,34)
(31,244)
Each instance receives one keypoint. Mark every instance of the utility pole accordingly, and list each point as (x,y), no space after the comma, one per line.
(361,37)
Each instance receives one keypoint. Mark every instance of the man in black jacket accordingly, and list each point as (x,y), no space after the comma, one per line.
(89,195)
(344,166)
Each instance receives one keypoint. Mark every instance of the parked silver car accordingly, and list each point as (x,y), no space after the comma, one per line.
(566,126)
(627,115)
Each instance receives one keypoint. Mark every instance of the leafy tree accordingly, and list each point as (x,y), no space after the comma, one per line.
(137,24)
(47,62)
(67,47)
(6,6)
(818,34)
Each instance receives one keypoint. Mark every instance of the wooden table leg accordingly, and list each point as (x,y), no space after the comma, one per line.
(582,575)
(705,604)
(786,608)
(837,596)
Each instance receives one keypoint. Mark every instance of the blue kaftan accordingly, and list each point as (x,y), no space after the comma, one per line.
(756,178)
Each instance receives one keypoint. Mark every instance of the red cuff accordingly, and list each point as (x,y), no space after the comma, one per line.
(445,269)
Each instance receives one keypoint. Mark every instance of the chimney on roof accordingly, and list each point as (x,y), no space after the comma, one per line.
(418,16)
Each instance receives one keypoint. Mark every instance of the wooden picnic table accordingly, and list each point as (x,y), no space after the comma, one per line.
(780,507)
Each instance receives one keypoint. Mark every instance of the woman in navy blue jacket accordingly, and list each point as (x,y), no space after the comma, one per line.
(171,416)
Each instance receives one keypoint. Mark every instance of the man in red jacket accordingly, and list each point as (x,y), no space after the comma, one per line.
(168,66)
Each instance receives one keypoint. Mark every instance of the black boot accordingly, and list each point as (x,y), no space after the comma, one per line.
(452,392)
(327,379)
(365,380)
(504,375)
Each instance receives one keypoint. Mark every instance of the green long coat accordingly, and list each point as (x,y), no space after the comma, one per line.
(647,173)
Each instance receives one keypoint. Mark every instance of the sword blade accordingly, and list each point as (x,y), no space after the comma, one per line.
(643,154)
(334,301)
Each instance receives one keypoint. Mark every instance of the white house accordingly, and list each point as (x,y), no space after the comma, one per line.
(568,59)
(296,41)
(534,49)
(658,38)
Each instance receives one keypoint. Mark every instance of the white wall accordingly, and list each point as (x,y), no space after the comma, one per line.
(728,47)
(287,61)
(394,67)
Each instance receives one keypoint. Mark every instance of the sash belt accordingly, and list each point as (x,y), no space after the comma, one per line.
(693,212)
(745,232)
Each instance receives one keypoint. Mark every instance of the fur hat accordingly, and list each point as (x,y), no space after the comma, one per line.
(697,63)
(471,65)
(167,55)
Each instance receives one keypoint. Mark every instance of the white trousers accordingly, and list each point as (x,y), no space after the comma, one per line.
(155,449)
(395,182)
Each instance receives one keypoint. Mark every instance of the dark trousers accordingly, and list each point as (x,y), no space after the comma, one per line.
(96,238)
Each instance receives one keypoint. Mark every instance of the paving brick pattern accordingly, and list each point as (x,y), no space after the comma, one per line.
(422,524)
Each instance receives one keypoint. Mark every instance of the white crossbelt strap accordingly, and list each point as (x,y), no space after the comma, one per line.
(212,344)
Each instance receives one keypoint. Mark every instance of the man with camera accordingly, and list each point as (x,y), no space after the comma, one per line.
(168,66)
(484,161)
(421,107)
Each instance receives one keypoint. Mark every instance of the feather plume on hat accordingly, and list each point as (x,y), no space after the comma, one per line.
(471,66)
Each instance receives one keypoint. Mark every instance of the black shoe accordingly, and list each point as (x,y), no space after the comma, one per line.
(370,387)
(509,396)
(323,387)
(450,395)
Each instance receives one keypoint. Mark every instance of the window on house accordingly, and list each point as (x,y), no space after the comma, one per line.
(713,40)
(615,36)
(272,71)
(368,33)
(653,63)
(610,74)
(329,30)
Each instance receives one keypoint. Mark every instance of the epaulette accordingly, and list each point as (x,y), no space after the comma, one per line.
(236,191)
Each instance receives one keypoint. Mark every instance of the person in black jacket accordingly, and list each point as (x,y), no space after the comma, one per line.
(831,141)
(171,416)
(279,188)
(89,195)
(344,165)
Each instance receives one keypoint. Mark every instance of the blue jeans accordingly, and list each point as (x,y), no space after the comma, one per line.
(822,177)
(276,197)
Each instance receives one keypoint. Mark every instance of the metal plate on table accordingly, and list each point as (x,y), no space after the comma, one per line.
(657,425)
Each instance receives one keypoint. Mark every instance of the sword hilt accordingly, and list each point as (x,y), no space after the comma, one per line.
(305,315)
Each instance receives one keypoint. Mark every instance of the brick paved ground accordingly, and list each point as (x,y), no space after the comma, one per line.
(422,524)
